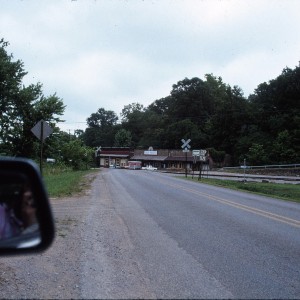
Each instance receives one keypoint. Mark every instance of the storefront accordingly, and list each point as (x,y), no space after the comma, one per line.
(174,160)
(116,157)
(163,159)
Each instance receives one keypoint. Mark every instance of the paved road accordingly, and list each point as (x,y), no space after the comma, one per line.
(183,239)
(139,234)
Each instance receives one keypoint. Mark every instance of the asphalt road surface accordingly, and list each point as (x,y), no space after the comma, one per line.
(143,234)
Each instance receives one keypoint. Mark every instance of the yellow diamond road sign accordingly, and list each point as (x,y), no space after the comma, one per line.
(41,130)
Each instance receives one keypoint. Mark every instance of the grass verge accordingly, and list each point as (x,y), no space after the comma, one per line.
(66,183)
(289,192)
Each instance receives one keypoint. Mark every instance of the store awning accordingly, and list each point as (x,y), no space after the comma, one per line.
(114,155)
(180,158)
(149,157)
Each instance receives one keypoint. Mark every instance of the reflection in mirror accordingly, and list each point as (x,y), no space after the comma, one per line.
(19,227)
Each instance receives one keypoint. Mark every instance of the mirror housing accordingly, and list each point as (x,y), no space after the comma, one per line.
(23,202)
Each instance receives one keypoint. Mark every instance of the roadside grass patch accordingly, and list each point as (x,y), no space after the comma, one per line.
(66,182)
(286,191)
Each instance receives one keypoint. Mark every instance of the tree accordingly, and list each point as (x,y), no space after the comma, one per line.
(102,118)
(11,75)
(152,126)
(77,155)
(190,100)
(22,107)
(218,157)
(29,113)
(102,127)
(78,132)
(123,138)
(161,106)
(275,114)
(264,127)
(132,121)
(227,123)
(183,129)
(282,148)
(217,111)
(256,155)
(131,109)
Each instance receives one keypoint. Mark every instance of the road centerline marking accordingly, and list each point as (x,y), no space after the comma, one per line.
(256,211)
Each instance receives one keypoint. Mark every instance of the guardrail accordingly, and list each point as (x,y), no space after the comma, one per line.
(287,166)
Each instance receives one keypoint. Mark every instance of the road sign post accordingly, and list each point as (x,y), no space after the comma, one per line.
(202,158)
(41,130)
(186,146)
(195,154)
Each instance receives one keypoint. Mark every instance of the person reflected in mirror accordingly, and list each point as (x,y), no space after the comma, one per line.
(28,212)
(10,225)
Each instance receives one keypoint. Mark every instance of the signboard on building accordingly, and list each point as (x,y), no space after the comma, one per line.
(150,152)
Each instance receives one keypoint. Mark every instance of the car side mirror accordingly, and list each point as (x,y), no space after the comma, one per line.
(26,222)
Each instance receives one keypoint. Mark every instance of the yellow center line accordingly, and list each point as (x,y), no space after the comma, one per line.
(256,211)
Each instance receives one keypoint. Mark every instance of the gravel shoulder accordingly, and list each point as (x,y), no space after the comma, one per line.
(92,255)
(56,272)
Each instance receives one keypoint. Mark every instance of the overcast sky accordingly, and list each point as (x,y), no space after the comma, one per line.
(96,53)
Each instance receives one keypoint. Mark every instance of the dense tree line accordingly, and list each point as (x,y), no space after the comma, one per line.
(264,128)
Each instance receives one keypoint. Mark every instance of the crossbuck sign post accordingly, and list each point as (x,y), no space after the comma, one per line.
(186,146)
(202,157)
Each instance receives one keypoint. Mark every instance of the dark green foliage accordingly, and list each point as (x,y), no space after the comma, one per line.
(102,127)
(263,129)
(275,117)
(256,155)
(75,154)
(21,108)
(123,138)
(102,118)
(217,156)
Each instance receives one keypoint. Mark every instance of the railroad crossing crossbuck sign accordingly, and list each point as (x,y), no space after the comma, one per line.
(185,145)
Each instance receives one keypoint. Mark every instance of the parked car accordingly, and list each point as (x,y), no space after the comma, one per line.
(150,168)
(134,165)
